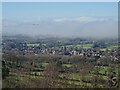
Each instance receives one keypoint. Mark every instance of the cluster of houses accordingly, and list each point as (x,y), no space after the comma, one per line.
(60,50)
(63,51)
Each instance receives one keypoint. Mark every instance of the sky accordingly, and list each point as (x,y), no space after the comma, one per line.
(60,0)
(66,19)
(37,10)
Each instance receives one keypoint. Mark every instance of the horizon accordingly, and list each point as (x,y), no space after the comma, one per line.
(63,19)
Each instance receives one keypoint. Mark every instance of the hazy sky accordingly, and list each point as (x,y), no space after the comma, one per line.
(80,19)
(37,10)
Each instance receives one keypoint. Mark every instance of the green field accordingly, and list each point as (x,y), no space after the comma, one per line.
(112,46)
(32,45)
(67,65)
(80,46)
(35,45)
(85,46)
(66,79)
(109,47)
(44,64)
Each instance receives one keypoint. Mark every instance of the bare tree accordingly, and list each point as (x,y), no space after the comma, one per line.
(50,75)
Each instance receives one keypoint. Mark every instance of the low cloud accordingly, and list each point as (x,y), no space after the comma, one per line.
(94,27)
(80,19)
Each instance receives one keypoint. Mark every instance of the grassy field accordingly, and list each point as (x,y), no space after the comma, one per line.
(109,47)
(32,45)
(83,78)
(44,64)
(66,79)
(85,46)
(35,45)
(112,47)
(80,46)
(67,65)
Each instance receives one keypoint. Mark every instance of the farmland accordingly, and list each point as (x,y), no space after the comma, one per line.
(66,79)
(59,63)
(80,46)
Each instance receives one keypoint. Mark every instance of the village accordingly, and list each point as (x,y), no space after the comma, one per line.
(87,49)
(65,62)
